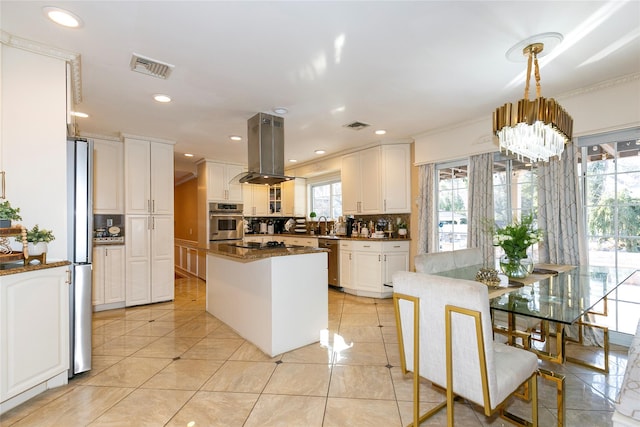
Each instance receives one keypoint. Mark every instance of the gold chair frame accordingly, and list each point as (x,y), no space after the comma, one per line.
(530,383)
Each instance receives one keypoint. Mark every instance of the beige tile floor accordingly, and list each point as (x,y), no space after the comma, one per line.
(173,364)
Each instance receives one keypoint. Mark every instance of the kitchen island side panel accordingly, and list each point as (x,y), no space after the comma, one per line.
(277,303)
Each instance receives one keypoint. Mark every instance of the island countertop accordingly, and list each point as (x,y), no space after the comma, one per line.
(251,254)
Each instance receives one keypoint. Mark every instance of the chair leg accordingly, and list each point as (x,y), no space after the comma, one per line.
(532,383)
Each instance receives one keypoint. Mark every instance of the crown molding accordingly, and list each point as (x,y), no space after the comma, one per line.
(41,49)
(601,86)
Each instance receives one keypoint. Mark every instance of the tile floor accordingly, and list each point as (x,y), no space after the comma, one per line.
(173,364)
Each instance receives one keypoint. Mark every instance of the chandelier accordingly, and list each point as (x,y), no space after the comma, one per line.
(534,130)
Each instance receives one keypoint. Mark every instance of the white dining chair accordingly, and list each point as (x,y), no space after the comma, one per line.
(445,336)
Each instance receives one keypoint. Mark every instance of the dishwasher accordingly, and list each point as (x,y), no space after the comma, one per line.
(333,258)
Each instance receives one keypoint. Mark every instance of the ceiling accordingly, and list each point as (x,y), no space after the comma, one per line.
(406,67)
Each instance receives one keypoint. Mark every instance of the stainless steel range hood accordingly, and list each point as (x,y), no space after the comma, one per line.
(265,135)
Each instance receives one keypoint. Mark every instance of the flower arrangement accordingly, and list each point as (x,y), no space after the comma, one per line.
(515,238)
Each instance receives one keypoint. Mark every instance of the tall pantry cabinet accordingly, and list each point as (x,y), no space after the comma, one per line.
(148,178)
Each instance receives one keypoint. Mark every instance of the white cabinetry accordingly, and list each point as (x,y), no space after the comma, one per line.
(34,332)
(108,277)
(367,267)
(256,200)
(219,186)
(361,182)
(149,221)
(396,178)
(377,180)
(294,197)
(148,177)
(108,177)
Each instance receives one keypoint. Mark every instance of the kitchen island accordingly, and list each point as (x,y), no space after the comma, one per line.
(276,298)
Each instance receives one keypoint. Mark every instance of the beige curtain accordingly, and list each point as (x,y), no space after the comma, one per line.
(480,207)
(426,209)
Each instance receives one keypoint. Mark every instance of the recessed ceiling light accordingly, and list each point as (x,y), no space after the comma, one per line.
(162,98)
(188,155)
(292,160)
(381,132)
(62,17)
(280,110)
(79,114)
(319,151)
(235,138)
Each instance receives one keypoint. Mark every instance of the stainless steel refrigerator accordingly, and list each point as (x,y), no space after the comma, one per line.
(80,226)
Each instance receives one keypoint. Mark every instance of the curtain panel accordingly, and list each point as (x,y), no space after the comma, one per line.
(426,209)
(480,206)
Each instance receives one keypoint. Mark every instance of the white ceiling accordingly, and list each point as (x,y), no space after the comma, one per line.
(407,67)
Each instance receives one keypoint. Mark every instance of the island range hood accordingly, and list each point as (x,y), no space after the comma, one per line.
(265,136)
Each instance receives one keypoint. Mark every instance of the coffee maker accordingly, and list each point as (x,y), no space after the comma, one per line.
(350,221)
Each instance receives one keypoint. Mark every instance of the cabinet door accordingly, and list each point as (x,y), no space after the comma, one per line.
(394,261)
(294,197)
(370,180)
(162,261)
(34,329)
(97,296)
(256,200)
(137,170)
(114,277)
(368,271)
(216,178)
(350,178)
(138,256)
(108,176)
(396,178)
(234,189)
(161,177)
(346,269)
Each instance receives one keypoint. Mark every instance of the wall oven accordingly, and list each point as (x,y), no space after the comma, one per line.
(225,221)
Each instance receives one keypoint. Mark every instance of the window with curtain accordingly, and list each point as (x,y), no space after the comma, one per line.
(453,190)
(514,193)
(326,199)
(610,173)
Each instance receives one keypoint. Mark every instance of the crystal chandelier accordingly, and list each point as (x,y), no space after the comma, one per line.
(534,130)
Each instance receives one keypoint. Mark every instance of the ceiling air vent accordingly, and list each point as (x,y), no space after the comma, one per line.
(356,125)
(150,67)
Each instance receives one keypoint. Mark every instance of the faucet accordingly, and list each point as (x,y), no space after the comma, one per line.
(326,224)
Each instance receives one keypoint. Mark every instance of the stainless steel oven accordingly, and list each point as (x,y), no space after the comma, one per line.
(225,221)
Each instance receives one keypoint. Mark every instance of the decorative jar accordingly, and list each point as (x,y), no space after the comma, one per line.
(516,268)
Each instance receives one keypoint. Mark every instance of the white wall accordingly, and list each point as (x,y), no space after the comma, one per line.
(612,105)
(34,141)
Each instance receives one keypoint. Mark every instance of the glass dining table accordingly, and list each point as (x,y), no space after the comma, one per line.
(561,295)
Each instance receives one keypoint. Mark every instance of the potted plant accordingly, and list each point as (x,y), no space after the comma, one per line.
(402,227)
(313,215)
(37,240)
(515,239)
(8,213)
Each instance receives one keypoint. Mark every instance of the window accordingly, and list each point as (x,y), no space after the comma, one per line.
(610,172)
(326,199)
(453,189)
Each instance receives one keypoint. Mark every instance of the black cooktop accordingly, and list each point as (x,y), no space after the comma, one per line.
(258,245)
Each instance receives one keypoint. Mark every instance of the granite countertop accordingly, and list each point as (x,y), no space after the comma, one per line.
(324,236)
(18,267)
(250,254)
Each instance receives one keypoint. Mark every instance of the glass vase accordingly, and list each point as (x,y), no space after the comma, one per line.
(516,268)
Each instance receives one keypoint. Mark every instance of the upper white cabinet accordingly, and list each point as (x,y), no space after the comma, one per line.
(294,197)
(361,182)
(256,200)
(108,174)
(148,177)
(377,180)
(396,178)
(219,185)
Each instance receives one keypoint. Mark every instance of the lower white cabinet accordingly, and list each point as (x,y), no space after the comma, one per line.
(108,277)
(367,267)
(34,332)
(149,259)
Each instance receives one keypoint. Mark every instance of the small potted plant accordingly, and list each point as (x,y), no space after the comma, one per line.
(402,227)
(313,215)
(8,213)
(37,240)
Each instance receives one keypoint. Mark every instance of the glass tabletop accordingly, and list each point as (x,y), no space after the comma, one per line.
(560,298)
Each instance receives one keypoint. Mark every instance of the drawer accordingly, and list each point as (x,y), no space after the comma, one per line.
(395,246)
(361,246)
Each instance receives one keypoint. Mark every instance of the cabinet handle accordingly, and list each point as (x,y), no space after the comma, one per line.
(153,206)
(385,205)
(396,246)
(366,246)
(149,205)
(4,196)
(379,258)
(153,223)
(68,281)
(349,257)
(385,257)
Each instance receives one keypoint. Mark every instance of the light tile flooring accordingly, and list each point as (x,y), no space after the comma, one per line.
(174,364)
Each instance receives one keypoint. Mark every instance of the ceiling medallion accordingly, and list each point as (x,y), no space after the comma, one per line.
(535,130)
